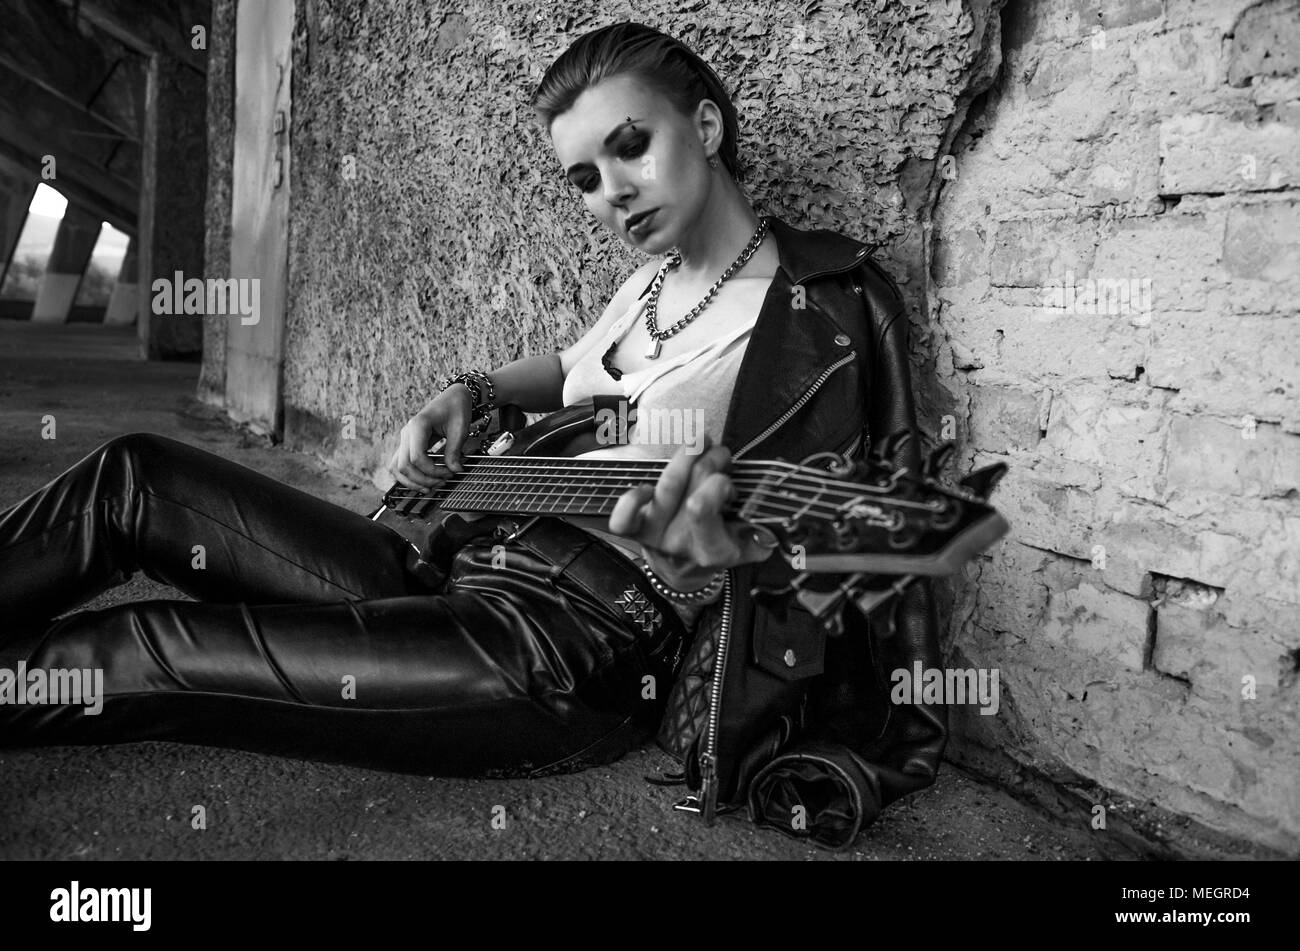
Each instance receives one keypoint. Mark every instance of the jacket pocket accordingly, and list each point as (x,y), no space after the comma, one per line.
(788,642)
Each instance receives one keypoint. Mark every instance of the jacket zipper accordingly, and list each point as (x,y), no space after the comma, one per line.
(709,756)
(817,384)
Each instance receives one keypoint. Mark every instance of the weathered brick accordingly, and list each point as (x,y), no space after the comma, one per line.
(1055,73)
(1034,342)
(1027,23)
(1179,254)
(1263,241)
(1115,14)
(1280,619)
(1231,365)
(1204,152)
(1122,170)
(1003,418)
(1047,515)
(1183,61)
(958,257)
(1029,252)
(1209,455)
(1124,439)
(1195,643)
(1140,537)
(1098,621)
(1265,42)
(1010,594)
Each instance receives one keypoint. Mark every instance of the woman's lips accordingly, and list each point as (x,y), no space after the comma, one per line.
(641,225)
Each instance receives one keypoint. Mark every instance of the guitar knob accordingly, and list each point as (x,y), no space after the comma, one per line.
(949,515)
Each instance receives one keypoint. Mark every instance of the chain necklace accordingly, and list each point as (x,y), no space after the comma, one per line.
(657,336)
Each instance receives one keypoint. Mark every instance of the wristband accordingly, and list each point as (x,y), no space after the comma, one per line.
(478,383)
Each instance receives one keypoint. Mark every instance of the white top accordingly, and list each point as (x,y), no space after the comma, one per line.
(678,398)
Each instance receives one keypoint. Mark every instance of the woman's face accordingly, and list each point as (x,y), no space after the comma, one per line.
(647,180)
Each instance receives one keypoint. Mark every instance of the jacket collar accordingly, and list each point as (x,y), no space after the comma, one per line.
(808,254)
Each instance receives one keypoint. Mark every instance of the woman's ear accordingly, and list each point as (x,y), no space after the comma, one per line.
(709,125)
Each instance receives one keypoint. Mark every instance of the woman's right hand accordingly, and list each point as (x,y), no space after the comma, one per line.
(447,415)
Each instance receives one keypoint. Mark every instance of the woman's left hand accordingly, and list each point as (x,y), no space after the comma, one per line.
(679,522)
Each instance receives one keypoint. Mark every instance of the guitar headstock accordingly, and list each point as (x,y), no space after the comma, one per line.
(837,516)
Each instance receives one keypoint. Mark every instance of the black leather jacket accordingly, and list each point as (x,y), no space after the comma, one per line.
(802,732)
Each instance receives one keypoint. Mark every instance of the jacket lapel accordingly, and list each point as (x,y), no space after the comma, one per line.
(789,346)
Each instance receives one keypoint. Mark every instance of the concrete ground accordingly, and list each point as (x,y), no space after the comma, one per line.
(135,801)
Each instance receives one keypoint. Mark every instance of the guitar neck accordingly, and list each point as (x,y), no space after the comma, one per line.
(521,485)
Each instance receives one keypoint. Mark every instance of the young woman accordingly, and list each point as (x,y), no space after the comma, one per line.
(532,648)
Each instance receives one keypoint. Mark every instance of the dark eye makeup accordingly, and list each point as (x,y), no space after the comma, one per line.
(631,146)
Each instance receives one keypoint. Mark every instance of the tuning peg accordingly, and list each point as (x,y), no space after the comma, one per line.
(938,460)
(868,599)
(983,481)
(892,445)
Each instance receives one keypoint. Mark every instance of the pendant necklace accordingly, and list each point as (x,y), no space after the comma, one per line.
(657,336)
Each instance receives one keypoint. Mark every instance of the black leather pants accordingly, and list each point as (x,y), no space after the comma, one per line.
(310,636)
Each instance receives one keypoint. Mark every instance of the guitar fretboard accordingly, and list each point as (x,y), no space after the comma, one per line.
(520,485)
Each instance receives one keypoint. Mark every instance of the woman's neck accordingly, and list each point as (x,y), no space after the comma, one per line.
(721,233)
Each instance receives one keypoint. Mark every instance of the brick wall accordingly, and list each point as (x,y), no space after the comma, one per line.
(1145,614)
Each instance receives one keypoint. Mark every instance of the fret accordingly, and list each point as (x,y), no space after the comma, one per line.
(488,495)
(493,495)
(534,502)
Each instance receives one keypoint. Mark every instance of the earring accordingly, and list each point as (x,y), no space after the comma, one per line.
(713,161)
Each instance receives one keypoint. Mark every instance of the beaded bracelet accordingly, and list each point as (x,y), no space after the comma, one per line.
(477,382)
(701,596)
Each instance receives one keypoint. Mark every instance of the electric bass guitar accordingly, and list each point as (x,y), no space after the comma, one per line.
(855,531)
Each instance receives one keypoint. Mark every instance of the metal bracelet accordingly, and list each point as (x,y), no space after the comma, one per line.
(703,595)
(478,383)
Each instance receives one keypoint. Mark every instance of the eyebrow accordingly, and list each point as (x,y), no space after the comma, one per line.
(613,134)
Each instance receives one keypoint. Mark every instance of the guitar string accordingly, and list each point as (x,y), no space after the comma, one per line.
(605,493)
(775,506)
(759,493)
(614,486)
(763,510)
(622,473)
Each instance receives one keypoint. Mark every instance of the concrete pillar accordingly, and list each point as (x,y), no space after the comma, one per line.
(73,245)
(124,301)
(173,184)
(15,196)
